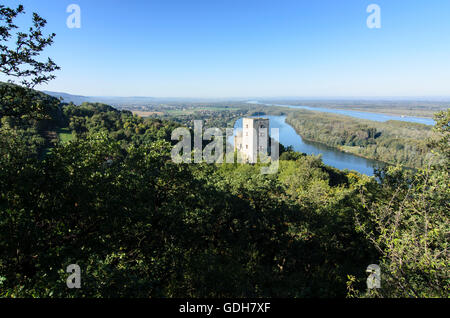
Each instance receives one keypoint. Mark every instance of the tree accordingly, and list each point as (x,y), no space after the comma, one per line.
(442,143)
(21,107)
(408,225)
(20,59)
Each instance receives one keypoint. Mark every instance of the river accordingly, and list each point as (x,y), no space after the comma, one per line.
(357,114)
(330,156)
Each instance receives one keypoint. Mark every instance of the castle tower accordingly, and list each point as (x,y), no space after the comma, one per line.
(254,138)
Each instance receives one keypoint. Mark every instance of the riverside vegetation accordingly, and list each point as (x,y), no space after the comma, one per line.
(393,142)
(108,197)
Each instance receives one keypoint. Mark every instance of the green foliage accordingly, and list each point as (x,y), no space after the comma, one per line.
(441,142)
(29,115)
(121,126)
(142,226)
(111,200)
(24,104)
(65,135)
(409,227)
(394,142)
(19,58)
(408,223)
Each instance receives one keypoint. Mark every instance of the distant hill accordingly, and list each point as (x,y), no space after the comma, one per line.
(123,102)
(67,98)
(115,101)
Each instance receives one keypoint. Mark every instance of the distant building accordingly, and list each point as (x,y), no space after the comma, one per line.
(253,139)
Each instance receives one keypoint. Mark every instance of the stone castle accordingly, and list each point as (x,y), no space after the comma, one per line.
(253,139)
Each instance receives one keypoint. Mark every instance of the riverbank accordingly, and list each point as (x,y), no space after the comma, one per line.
(342,149)
(391,142)
(330,156)
(402,109)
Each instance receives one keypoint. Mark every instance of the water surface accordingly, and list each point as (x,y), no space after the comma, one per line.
(330,156)
(358,114)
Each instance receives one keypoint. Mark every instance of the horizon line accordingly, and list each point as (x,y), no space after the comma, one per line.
(253,98)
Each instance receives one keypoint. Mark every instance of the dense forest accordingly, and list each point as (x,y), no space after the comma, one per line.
(111,201)
(95,186)
(393,142)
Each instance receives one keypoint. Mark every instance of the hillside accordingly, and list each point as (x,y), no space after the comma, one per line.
(111,200)
(68,98)
(116,101)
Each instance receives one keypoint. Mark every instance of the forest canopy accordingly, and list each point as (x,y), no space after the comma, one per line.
(95,186)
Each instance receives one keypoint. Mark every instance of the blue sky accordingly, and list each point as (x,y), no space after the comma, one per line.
(245,48)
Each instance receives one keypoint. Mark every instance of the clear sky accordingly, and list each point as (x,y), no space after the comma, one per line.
(245,48)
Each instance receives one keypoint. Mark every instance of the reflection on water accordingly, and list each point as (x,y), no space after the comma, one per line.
(330,156)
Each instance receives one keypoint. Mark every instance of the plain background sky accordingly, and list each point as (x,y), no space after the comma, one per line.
(233,48)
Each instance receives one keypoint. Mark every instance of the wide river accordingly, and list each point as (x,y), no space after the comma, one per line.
(330,156)
(357,114)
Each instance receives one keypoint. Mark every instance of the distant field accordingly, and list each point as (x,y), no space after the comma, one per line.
(146,114)
(177,112)
(196,110)
(65,135)
(215,108)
